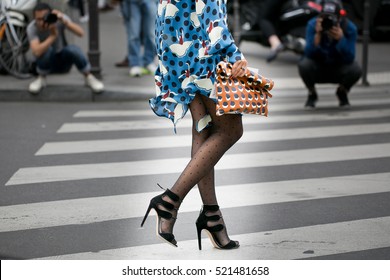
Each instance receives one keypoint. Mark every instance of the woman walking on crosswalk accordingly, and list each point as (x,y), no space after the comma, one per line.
(192,38)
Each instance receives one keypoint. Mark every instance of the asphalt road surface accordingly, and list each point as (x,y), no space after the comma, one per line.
(76,179)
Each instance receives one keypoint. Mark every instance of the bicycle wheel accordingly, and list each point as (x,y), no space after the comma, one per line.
(13,48)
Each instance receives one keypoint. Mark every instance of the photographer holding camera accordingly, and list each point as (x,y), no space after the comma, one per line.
(46,34)
(330,53)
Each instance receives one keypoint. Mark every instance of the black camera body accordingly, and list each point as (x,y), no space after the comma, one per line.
(328,21)
(330,14)
(50,18)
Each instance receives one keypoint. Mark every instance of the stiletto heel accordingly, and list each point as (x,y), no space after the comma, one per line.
(201,224)
(146,214)
(162,214)
(199,230)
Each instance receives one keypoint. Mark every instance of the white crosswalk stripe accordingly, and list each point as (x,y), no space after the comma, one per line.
(81,127)
(292,243)
(101,208)
(126,144)
(166,166)
(291,105)
(105,208)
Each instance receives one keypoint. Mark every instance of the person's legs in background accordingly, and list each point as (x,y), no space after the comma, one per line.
(269,17)
(149,10)
(344,75)
(135,58)
(72,54)
(44,65)
(125,11)
(348,75)
(83,16)
(308,70)
(104,6)
(62,62)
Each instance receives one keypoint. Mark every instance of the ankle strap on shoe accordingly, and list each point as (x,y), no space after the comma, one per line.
(210,207)
(172,195)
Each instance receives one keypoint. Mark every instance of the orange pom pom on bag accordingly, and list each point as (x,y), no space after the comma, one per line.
(241,95)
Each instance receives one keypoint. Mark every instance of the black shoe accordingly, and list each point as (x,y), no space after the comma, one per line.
(123,63)
(162,214)
(106,8)
(342,95)
(311,101)
(201,224)
(274,53)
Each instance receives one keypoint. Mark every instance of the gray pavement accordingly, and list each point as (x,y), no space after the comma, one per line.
(120,87)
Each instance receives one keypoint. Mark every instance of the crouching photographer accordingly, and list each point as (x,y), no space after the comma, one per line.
(46,35)
(329,55)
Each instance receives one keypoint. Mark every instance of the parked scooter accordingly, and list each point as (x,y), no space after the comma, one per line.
(14,18)
(244,17)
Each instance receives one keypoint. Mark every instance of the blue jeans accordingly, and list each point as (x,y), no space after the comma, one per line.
(62,62)
(139,19)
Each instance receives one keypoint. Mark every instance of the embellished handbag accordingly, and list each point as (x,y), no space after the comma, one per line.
(241,95)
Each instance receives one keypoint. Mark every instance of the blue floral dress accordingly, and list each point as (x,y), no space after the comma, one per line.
(192,37)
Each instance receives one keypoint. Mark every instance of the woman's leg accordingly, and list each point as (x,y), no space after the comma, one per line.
(206,184)
(224,132)
(208,147)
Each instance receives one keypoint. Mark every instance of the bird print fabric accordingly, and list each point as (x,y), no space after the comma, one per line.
(192,37)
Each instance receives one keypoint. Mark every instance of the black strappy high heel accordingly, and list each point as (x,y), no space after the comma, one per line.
(201,224)
(158,200)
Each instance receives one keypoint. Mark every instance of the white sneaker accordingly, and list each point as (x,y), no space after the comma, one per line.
(151,68)
(36,86)
(94,84)
(135,71)
(84,19)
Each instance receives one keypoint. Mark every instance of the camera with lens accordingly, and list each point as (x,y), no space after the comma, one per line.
(328,21)
(330,15)
(50,18)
